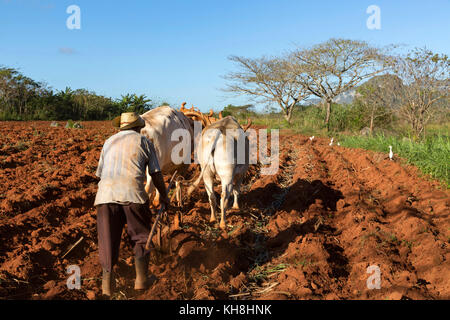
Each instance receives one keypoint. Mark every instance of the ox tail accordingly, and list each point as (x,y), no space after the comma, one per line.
(210,156)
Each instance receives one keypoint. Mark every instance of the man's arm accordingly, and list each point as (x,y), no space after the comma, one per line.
(98,173)
(155,172)
(158,181)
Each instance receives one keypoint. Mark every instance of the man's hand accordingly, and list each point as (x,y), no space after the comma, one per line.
(165,202)
(158,181)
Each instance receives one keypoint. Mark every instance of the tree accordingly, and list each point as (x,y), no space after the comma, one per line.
(336,66)
(426,79)
(141,103)
(267,80)
(17,93)
(135,103)
(378,98)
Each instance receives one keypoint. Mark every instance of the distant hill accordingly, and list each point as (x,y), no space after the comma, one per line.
(388,79)
(346,97)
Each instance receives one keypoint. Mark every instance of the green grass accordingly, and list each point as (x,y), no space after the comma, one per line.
(300,123)
(309,120)
(304,262)
(431,156)
(263,272)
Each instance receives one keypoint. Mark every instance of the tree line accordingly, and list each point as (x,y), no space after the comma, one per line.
(411,86)
(22,98)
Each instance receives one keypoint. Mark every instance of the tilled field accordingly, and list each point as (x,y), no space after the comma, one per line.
(308,232)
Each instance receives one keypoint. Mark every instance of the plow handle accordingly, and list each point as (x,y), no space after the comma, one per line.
(158,216)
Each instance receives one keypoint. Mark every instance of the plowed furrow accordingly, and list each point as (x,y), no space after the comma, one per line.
(373,213)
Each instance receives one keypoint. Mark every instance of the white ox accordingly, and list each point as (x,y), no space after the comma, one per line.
(227,164)
(160,123)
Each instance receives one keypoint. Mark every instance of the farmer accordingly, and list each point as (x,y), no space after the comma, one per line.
(121,197)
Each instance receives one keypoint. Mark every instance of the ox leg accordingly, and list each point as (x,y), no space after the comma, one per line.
(236,190)
(227,189)
(178,193)
(208,179)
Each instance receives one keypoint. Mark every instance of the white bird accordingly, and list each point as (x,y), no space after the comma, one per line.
(391,154)
(331,143)
(311,138)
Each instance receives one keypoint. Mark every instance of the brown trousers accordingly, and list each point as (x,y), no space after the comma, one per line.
(111,218)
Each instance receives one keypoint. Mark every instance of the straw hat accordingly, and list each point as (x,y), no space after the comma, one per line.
(128,120)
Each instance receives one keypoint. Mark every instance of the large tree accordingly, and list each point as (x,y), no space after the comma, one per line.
(17,92)
(427,85)
(267,80)
(336,66)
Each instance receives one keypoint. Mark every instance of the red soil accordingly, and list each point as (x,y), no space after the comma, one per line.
(308,232)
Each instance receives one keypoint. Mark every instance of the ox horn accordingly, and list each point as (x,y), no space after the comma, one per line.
(197,114)
(182,106)
(192,114)
(206,120)
(220,115)
(249,123)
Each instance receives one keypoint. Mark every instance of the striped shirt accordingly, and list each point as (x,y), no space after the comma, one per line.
(123,162)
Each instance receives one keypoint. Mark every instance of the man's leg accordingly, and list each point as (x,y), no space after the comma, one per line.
(110,222)
(138,226)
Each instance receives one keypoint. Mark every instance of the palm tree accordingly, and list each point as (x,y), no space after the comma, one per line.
(141,103)
(135,103)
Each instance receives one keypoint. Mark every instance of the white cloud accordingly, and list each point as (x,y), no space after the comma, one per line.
(66,50)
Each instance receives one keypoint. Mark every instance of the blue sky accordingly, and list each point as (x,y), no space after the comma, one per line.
(177,50)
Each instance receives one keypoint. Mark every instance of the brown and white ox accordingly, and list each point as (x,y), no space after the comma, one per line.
(160,123)
(223,154)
